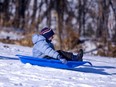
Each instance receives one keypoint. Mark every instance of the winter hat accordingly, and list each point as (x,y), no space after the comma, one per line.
(47,32)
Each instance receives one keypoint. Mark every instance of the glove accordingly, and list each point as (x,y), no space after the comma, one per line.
(63,60)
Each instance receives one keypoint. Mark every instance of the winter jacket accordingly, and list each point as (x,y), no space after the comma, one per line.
(41,48)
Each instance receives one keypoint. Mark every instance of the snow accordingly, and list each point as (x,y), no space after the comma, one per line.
(11,35)
(13,73)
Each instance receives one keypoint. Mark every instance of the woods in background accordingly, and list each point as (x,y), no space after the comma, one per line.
(95,19)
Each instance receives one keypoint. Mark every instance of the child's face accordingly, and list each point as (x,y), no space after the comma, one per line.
(51,38)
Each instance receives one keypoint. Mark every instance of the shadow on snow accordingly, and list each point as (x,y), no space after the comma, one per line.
(83,68)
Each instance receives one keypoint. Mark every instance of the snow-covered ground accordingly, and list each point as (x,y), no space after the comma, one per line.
(13,73)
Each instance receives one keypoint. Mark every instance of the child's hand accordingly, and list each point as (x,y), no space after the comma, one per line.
(63,60)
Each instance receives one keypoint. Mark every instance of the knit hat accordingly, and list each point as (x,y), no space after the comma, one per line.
(47,32)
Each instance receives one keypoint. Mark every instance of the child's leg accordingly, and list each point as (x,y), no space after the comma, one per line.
(67,55)
(70,56)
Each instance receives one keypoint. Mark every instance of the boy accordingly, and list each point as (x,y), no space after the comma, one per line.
(43,47)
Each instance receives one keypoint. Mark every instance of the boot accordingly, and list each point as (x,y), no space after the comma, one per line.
(79,56)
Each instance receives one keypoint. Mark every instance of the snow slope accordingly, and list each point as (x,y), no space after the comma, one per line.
(13,73)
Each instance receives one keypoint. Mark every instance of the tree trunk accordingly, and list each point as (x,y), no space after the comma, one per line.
(102,30)
(5,12)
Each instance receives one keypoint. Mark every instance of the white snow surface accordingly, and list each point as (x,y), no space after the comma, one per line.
(13,73)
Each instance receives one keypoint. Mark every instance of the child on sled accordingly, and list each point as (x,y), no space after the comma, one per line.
(43,47)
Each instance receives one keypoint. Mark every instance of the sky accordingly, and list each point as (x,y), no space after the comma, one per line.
(13,73)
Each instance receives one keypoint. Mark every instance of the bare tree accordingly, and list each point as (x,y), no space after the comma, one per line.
(19,20)
(103,15)
(113,5)
(4,6)
(81,17)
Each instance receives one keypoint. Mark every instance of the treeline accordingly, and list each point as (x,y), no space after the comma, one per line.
(69,18)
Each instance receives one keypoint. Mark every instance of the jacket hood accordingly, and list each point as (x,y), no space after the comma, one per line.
(36,38)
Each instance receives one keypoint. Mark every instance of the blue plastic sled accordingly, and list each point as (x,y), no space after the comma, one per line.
(50,62)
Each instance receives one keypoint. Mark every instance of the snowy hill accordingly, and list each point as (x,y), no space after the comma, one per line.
(13,73)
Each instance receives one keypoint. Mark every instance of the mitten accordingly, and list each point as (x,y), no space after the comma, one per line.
(63,60)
